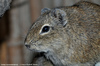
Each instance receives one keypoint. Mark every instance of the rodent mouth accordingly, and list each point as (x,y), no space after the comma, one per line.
(33,50)
(39,51)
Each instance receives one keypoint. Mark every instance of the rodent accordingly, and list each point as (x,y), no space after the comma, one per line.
(71,32)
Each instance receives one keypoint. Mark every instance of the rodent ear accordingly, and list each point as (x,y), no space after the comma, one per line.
(44,10)
(61,15)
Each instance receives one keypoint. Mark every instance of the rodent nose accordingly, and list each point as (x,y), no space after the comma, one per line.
(28,46)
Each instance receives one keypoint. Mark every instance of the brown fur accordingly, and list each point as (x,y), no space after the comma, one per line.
(76,43)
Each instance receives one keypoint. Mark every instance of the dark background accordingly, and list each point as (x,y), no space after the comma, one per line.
(14,26)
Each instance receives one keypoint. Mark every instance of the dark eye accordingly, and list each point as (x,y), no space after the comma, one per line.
(45,29)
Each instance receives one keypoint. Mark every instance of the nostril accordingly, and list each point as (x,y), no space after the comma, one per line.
(28,46)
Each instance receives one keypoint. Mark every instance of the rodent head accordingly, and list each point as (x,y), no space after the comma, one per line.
(46,33)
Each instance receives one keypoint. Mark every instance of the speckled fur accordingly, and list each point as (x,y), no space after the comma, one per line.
(76,43)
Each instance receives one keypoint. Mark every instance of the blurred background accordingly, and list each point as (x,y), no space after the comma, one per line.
(14,26)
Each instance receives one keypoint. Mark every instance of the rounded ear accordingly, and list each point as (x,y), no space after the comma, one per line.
(44,10)
(61,15)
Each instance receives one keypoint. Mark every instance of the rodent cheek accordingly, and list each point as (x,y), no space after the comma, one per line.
(39,47)
(34,47)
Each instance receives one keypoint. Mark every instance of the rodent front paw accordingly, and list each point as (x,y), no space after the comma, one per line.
(53,58)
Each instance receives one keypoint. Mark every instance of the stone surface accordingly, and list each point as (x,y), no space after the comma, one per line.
(4,5)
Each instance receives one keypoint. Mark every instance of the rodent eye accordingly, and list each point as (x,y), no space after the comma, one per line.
(45,29)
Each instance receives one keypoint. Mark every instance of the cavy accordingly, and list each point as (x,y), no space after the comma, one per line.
(70,34)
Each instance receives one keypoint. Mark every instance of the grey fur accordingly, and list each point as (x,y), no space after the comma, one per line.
(61,15)
(53,58)
(4,5)
(44,10)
